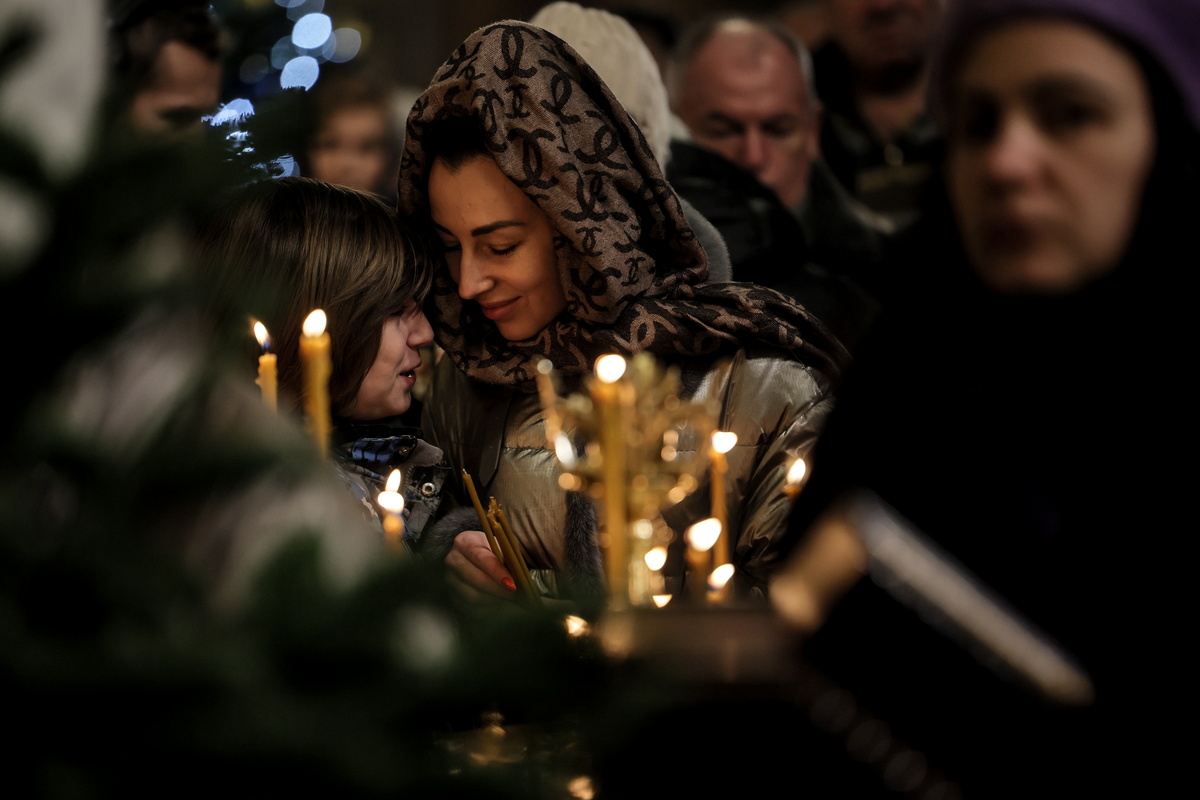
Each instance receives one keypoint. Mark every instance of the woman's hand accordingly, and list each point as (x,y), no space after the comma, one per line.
(477,570)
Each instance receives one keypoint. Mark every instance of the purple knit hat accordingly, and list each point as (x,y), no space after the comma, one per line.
(1167,30)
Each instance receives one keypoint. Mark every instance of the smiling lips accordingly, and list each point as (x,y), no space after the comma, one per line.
(495,311)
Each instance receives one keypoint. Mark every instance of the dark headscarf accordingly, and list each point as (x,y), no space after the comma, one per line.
(1165,30)
(632,270)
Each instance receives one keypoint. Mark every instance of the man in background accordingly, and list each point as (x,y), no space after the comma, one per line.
(871,73)
(167,65)
(750,160)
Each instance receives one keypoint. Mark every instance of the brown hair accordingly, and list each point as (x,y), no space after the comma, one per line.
(279,248)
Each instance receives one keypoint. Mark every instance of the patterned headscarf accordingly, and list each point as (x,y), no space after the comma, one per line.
(632,270)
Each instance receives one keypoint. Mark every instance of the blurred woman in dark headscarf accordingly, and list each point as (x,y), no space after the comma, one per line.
(1021,405)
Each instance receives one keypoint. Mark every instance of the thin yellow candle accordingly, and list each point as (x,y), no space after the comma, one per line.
(606,397)
(268,382)
(484,525)
(722,443)
(392,503)
(314,352)
(516,560)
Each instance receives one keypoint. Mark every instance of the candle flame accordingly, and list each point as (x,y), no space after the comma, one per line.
(393,481)
(314,323)
(720,576)
(656,557)
(564,450)
(260,333)
(661,600)
(581,788)
(704,534)
(723,441)
(610,368)
(391,501)
(576,626)
(796,471)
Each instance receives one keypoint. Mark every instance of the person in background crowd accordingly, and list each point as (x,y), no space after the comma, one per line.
(166,65)
(352,137)
(555,251)
(1023,410)
(612,47)
(742,86)
(871,75)
(280,248)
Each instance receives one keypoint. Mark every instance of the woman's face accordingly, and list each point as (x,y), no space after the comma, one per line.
(499,246)
(1051,138)
(387,389)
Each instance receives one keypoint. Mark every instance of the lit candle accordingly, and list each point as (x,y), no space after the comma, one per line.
(700,539)
(314,352)
(392,503)
(267,380)
(722,443)
(719,580)
(606,397)
(794,478)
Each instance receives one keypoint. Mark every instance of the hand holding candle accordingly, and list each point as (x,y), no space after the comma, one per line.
(267,374)
(314,351)
(502,540)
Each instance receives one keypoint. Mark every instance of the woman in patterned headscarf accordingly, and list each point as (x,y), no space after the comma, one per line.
(564,241)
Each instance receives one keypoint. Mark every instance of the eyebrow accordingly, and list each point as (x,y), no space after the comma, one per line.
(483,230)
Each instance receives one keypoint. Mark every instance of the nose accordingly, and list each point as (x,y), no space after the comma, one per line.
(420,332)
(754,149)
(1014,154)
(472,278)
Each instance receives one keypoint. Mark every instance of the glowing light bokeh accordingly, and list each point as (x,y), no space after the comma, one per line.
(301,72)
(610,368)
(233,111)
(703,535)
(312,31)
(656,557)
(347,43)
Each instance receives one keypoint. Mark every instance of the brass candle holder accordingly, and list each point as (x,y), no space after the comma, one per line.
(619,441)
